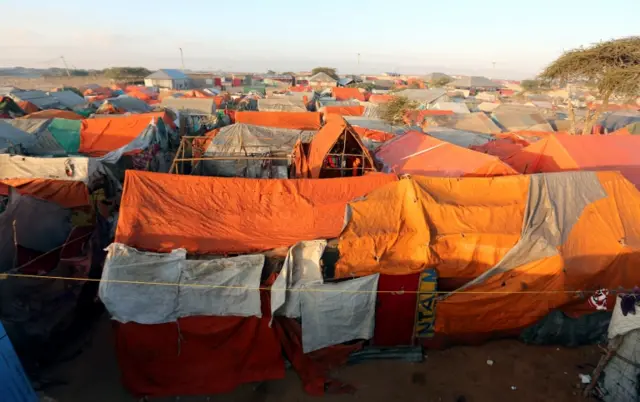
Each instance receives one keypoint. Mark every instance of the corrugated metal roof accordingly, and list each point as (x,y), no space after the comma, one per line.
(167,74)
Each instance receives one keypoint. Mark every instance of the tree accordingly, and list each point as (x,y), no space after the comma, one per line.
(393,111)
(530,85)
(126,72)
(271,72)
(440,82)
(613,67)
(331,72)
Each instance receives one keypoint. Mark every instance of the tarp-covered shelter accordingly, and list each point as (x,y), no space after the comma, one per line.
(356,110)
(123,104)
(520,117)
(341,93)
(375,124)
(60,180)
(162,212)
(631,129)
(242,149)
(337,151)
(54,113)
(14,140)
(9,109)
(562,152)
(41,99)
(418,153)
(191,106)
(618,120)
(490,239)
(101,136)
(44,143)
(461,138)
(68,99)
(281,105)
(477,122)
(292,120)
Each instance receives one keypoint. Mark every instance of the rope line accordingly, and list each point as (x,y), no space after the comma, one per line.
(318,290)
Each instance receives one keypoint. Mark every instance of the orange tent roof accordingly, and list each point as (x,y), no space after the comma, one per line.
(499,236)
(344,110)
(418,153)
(215,215)
(28,107)
(347,93)
(294,120)
(54,113)
(374,135)
(375,98)
(556,153)
(326,138)
(418,116)
(101,91)
(101,136)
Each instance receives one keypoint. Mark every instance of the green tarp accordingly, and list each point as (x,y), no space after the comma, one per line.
(67,133)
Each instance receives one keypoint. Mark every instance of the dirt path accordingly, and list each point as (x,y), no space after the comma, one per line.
(459,374)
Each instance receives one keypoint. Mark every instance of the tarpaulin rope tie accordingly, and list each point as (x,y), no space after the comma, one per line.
(302,290)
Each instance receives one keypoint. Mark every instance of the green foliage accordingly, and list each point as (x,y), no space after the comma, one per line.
(530,85)
(393,111)
(126,72)
(440,82)
(368,86)
(271,72)
(331,72)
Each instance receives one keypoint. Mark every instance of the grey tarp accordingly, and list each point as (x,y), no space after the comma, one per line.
(36,224)
(376,124)
(301,267)
(460,138)
(241,140)
(281,105)
(334,313)
(45,144)
(225,286)
(554,204)
(13,140)
(68,99)
(476,122)
(192,106)
(617,120)
(128,104)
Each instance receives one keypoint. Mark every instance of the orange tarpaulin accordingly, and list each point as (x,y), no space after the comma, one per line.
(375,98)
(561,152)
(294,120)
(326,138)
(101,136)
(68,194)
(347,93)
(214,215)
(54,113)
(374,135)
(28,107)
(506,237)
(416,117)
(101,91)
(344,110)
(418,153)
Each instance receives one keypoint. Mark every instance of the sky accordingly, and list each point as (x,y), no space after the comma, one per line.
(404,36)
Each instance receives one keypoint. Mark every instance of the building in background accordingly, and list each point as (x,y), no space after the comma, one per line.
(167,78)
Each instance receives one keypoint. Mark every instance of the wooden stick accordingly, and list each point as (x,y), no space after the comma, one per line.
(598,371)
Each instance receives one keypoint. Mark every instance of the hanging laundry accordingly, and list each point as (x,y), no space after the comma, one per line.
(599,299)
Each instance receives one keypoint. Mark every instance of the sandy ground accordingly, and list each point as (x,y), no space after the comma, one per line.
(459,374)
(48,83)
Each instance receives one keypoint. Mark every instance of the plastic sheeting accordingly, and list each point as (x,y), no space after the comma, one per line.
(66,133)
(247,140)
(45,143)
(14,140)
(301,267)
(234,285)
(69,169)
(293,120)
(418,153)
(191,106)
(334,313)
(101,136)
(213,215)
(281,105)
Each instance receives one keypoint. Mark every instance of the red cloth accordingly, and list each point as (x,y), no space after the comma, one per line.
(199,355)
(313,368)
(396,312)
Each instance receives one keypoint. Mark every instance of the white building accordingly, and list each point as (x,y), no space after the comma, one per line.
(167,78)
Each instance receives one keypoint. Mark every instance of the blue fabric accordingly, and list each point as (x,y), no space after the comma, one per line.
(14,384)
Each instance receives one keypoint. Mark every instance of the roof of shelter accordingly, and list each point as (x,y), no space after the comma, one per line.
(167,74)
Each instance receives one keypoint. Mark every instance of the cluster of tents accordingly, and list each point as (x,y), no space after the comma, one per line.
(309,235)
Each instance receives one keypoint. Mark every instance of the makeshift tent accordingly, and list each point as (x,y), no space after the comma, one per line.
(28,107)
(617,120)
(631,129)
(373,135)
(493,238)
(60,180)
(245,151)
(123,104)
(375,124)
(14,140)
(374,98)
(9,109)
(191,106)
(341,93)
(44,143)
(562,152)
(337,151)
(418,153)
(101,136)
(281,105)
(54,113)
(461,138)
(520,117)
(343,110)
(455,107)
(477,122)
(68,99)
(161,212)
(294,120)
(66,133)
